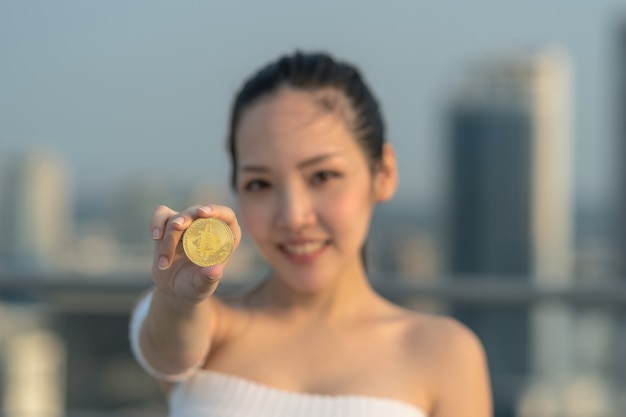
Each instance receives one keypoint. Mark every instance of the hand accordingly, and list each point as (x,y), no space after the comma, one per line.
(179,279)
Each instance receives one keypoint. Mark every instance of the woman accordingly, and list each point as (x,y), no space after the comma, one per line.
(309,165)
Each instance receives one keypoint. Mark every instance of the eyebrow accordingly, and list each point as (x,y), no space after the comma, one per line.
(308,162)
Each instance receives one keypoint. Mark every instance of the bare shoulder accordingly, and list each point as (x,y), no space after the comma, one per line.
(444,346)
(436,336)
(443,336)
(451,359)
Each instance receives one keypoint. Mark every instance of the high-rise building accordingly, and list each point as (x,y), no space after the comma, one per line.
(510,212)
(621,143)
(37,211)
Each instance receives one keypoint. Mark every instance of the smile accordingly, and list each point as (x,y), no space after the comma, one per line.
(303,248)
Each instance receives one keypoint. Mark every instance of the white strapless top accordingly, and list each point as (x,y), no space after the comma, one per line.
(214,394)
(205,393)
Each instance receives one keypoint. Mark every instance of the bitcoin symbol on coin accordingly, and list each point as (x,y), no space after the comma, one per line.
(208,241)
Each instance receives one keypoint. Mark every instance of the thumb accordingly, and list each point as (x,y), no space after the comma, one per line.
(213,272)
(205,280)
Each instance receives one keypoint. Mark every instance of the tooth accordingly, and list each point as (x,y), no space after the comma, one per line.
(303,249)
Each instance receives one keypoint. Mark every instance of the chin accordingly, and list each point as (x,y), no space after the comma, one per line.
(304,282)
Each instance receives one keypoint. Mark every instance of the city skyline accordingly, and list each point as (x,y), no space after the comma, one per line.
(144,90)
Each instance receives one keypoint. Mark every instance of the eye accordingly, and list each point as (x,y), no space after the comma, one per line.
(324,176)
(256,185)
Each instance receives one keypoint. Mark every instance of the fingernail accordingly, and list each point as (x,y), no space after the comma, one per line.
(179,221)
(204,209)
(156,233)
(163,263)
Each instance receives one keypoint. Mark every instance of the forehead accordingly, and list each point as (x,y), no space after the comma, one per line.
(291,125)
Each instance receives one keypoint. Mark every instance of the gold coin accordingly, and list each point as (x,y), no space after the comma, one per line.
(208,241)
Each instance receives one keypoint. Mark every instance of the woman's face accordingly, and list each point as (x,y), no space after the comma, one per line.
(305,188)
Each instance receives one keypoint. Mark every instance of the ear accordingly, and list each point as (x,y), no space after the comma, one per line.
(386,177)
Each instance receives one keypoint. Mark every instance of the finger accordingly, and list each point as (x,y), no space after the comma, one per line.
(224,213)
(166,247)
(160,216)
(184,219)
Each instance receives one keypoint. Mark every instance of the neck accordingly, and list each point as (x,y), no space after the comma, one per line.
(344,296)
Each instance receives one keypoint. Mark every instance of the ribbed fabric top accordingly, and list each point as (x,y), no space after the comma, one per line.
(214,394)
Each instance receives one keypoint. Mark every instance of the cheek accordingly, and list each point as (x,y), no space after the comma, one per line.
(254,219)
(351,211)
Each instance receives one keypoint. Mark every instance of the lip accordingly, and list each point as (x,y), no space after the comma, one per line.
(306,256)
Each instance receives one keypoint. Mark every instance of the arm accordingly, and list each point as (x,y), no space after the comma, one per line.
(177,331)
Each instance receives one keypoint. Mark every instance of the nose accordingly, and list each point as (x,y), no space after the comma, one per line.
(295,208)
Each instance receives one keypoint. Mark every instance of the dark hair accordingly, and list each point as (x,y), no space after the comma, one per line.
(313,72)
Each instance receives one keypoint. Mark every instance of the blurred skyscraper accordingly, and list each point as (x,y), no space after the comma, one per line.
(510,213)
(621,131)
(37,217)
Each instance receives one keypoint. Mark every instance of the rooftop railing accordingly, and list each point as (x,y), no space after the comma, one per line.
(85,309)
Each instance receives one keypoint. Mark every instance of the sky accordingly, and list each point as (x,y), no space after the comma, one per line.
(136,89)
